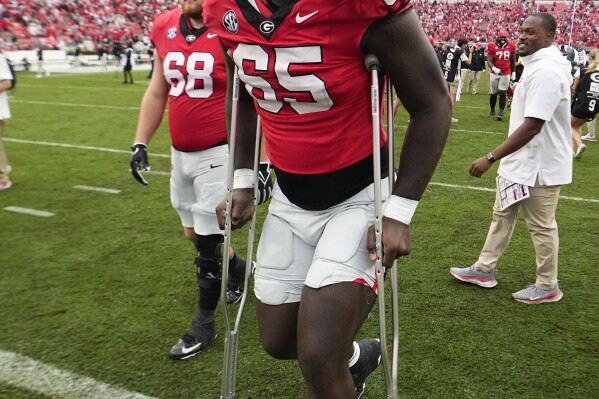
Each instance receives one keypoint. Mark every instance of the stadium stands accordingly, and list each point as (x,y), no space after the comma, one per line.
(63,24)
(481,20)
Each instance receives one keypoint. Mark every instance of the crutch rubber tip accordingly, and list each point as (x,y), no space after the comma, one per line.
(371,62)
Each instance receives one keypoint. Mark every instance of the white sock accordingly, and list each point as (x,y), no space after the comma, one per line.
(354,358)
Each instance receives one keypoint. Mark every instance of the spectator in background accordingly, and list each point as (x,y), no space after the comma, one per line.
(126,62)
(452,67)
(577,56)
(151,55)
(536,157)
(40,62)
(103,56)
(5,84)
(586,100)
(477,66)
(464,72)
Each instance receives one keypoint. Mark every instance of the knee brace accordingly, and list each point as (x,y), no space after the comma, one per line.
(209,270)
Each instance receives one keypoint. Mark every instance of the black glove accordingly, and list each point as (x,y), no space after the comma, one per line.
(139,161)
(264,182)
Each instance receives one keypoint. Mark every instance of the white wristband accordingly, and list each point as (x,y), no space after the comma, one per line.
(243,178)
(400,208)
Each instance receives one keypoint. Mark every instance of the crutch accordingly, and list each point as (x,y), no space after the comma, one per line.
(373,65)
(232,333)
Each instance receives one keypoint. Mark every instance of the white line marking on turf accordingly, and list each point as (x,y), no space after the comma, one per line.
(100,189)
(77,105)
(33,375)
(492,189)
(460,186)
(28,211)
(155,172)
(81,147)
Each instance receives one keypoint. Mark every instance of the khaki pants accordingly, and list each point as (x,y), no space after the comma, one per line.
(539,214)
(473,83)
(3,159)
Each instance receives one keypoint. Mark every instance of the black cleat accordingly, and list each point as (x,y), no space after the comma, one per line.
(500,115)
(368,360)
(190,345)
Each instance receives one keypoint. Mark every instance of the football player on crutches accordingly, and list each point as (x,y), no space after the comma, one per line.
(232,332)
(389,368)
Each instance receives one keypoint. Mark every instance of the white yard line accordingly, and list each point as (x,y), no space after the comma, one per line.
(99,189)
(32,375)
(28,211)
(458,186)
(80,147)
(75,105)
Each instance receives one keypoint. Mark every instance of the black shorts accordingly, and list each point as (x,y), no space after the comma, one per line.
(580,110)
(127,68)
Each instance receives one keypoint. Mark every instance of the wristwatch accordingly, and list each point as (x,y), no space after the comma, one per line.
(490,157)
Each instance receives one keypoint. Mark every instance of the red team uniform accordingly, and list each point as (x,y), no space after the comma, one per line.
(298,78)
(194,65)
(502,56)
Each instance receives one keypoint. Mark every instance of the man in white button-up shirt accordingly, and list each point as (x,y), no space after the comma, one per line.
(536,158)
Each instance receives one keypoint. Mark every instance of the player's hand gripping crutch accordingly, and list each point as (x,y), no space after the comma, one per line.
(232,332)
(390,368)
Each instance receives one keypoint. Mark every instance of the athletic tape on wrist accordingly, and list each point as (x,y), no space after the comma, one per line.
(243,178)
(400,208)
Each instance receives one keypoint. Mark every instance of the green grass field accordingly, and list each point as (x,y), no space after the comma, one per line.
(105,286)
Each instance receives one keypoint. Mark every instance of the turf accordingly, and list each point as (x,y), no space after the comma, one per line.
(105,286)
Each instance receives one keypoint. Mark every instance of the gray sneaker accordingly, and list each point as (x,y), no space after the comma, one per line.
(474,275)
(500,115)
(533,295)
(579,151)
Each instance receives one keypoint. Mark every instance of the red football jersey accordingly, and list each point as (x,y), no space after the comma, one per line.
(502,56)
(194,68)
(304,67)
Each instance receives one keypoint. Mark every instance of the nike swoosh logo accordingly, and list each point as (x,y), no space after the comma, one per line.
(299,19)
(211,35)
(212,166)
(190,349)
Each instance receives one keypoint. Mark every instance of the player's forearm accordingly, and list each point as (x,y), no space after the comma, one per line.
(150,117)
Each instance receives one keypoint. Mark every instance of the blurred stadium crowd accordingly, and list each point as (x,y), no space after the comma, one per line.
(86,24)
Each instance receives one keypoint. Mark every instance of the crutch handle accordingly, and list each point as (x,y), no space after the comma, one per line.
(372,62)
